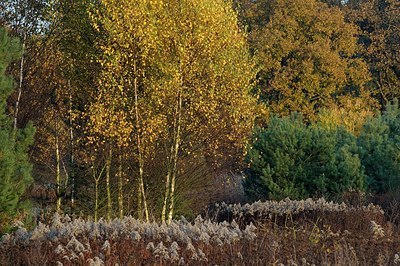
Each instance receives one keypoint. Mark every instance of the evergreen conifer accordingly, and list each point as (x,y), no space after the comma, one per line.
(15,169)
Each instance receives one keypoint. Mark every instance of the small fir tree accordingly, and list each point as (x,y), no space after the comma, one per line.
(15,169)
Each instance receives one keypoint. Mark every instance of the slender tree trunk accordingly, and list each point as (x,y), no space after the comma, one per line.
(96,200)
(58,176)
(21,77)
(120,188)
(66,181)
(108,170)
(72,158)
(175,156)
(146,211)
(168,178)
(139,201)
(173,160)
(166,196)
(139,151)
(97,177)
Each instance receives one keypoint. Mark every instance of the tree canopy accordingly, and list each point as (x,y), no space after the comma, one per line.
(379,21)
(306,53)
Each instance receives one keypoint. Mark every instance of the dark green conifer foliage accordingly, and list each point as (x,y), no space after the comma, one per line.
(15,169)
(380,150)
(291,159)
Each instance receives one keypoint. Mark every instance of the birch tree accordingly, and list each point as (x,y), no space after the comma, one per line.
(26,19)
(175,73)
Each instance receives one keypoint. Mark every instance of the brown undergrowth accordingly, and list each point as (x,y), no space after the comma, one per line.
(270,233)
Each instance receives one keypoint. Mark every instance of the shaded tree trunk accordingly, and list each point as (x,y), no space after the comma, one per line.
(58,176)
(96,200)
(120,188)
(72,158)
(108,173)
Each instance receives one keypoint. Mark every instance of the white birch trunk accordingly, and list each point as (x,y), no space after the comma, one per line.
(166,196)
(21,78)
(175,156)
(139,150)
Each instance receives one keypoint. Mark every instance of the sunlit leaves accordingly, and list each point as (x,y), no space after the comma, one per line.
(187,63)
(306,52)
(172,44)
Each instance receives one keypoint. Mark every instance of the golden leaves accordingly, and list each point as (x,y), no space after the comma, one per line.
(305,53)
(166,48)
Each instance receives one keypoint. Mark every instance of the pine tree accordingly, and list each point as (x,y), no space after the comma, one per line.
(380,150)
(14,163)
(292,159)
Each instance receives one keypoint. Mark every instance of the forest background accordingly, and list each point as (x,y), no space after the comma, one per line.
(150,108)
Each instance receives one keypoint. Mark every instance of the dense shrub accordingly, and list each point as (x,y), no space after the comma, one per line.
(379,144)
(292,159)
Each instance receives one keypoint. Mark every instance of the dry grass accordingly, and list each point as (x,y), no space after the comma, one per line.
(288,233)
